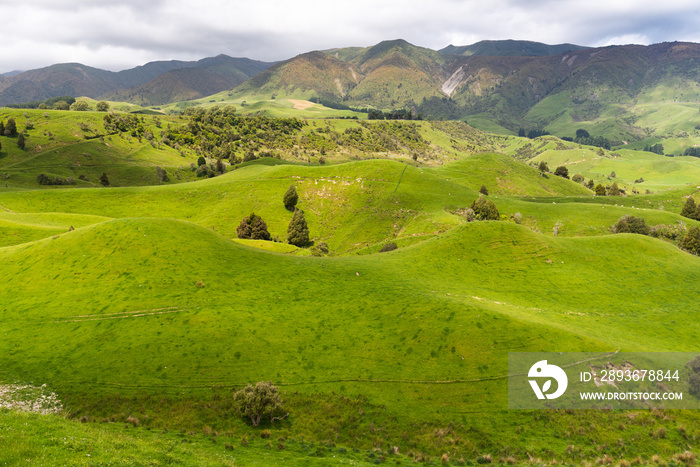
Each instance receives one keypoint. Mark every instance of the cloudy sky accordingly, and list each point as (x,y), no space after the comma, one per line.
(121,34)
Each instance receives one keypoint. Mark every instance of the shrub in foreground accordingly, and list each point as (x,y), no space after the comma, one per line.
(485,210)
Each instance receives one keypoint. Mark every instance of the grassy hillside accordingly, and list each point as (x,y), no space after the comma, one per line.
(148,310)
(73,144)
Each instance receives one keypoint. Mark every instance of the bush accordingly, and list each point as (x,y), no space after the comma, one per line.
(291,198)
(485,210)
(319,249)
(80,106)
(599,190)
(205,171)
(631,224)
(298,231)
(562,171)
(102,106)
(483,190)
(44,179)
(10,127)
(543,167)
(262,400)
(104,179)
(253,227)
(614,190)
(578,178)
(388,247)
(20,141)
(691,241)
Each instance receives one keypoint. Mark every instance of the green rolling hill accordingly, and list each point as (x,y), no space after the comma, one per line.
(149,299)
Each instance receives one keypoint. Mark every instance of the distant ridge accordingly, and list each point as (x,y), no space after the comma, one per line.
(510,47)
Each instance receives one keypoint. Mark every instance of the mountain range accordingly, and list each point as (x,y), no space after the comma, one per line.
(509,84)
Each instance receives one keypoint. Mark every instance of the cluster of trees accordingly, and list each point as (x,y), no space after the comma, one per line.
(532,134)
(693,152)
(44,179)
(124,123)
(9,128)
(401,114)
(689,239)
(253,227)
(56,103)
(657,148)
(583,137)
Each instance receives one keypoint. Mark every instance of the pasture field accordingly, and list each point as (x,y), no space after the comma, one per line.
(140,309)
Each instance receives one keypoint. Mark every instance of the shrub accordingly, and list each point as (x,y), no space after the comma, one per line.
(10,127)
(104,179)
(631,224)
(260,400)
(578,178)
(517,218)
(201,161)
(319,249)
(61,105)
(20,141)
(562,171)
(599,190)
(485,209)
(102,106)
(291,198)
(483,190)
(543,167)
(388,247)
(691,241)
(205,171)
(298,231)
(79,106)
(591,184)
(253,227)
(614,190)
(469,214)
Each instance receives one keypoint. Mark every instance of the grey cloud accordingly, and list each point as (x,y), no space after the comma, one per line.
(126,33)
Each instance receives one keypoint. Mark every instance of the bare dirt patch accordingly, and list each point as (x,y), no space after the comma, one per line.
(301,105)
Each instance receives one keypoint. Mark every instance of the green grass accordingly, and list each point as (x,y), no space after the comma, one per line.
(149,309)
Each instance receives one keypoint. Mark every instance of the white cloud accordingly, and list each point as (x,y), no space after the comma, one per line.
(125,33)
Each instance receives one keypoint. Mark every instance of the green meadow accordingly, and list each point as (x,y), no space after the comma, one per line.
(140,309)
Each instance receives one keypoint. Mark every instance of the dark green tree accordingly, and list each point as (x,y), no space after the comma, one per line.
(10,127)
(2,128)
(689,208)
(691,241)
(253,227)
(61,105)
(260,400)
(201,161)
(562,171)
(20,141)
(104,179)
(298,231)
(485,210)
(102,106)
(599,190)
(578,178)
(483,190)
(291,198)
(590,184)
(543,167)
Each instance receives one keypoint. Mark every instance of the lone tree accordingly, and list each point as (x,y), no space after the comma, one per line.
(543,168)
(599,190)
(485,210)
(691,241)
(201,161)
(562,171)
(102,106)
(79,106)
(689,208)
(20,141)
(104,179)
(253,227)
(291,198)
(261,400)
(483,190)
(298,231)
